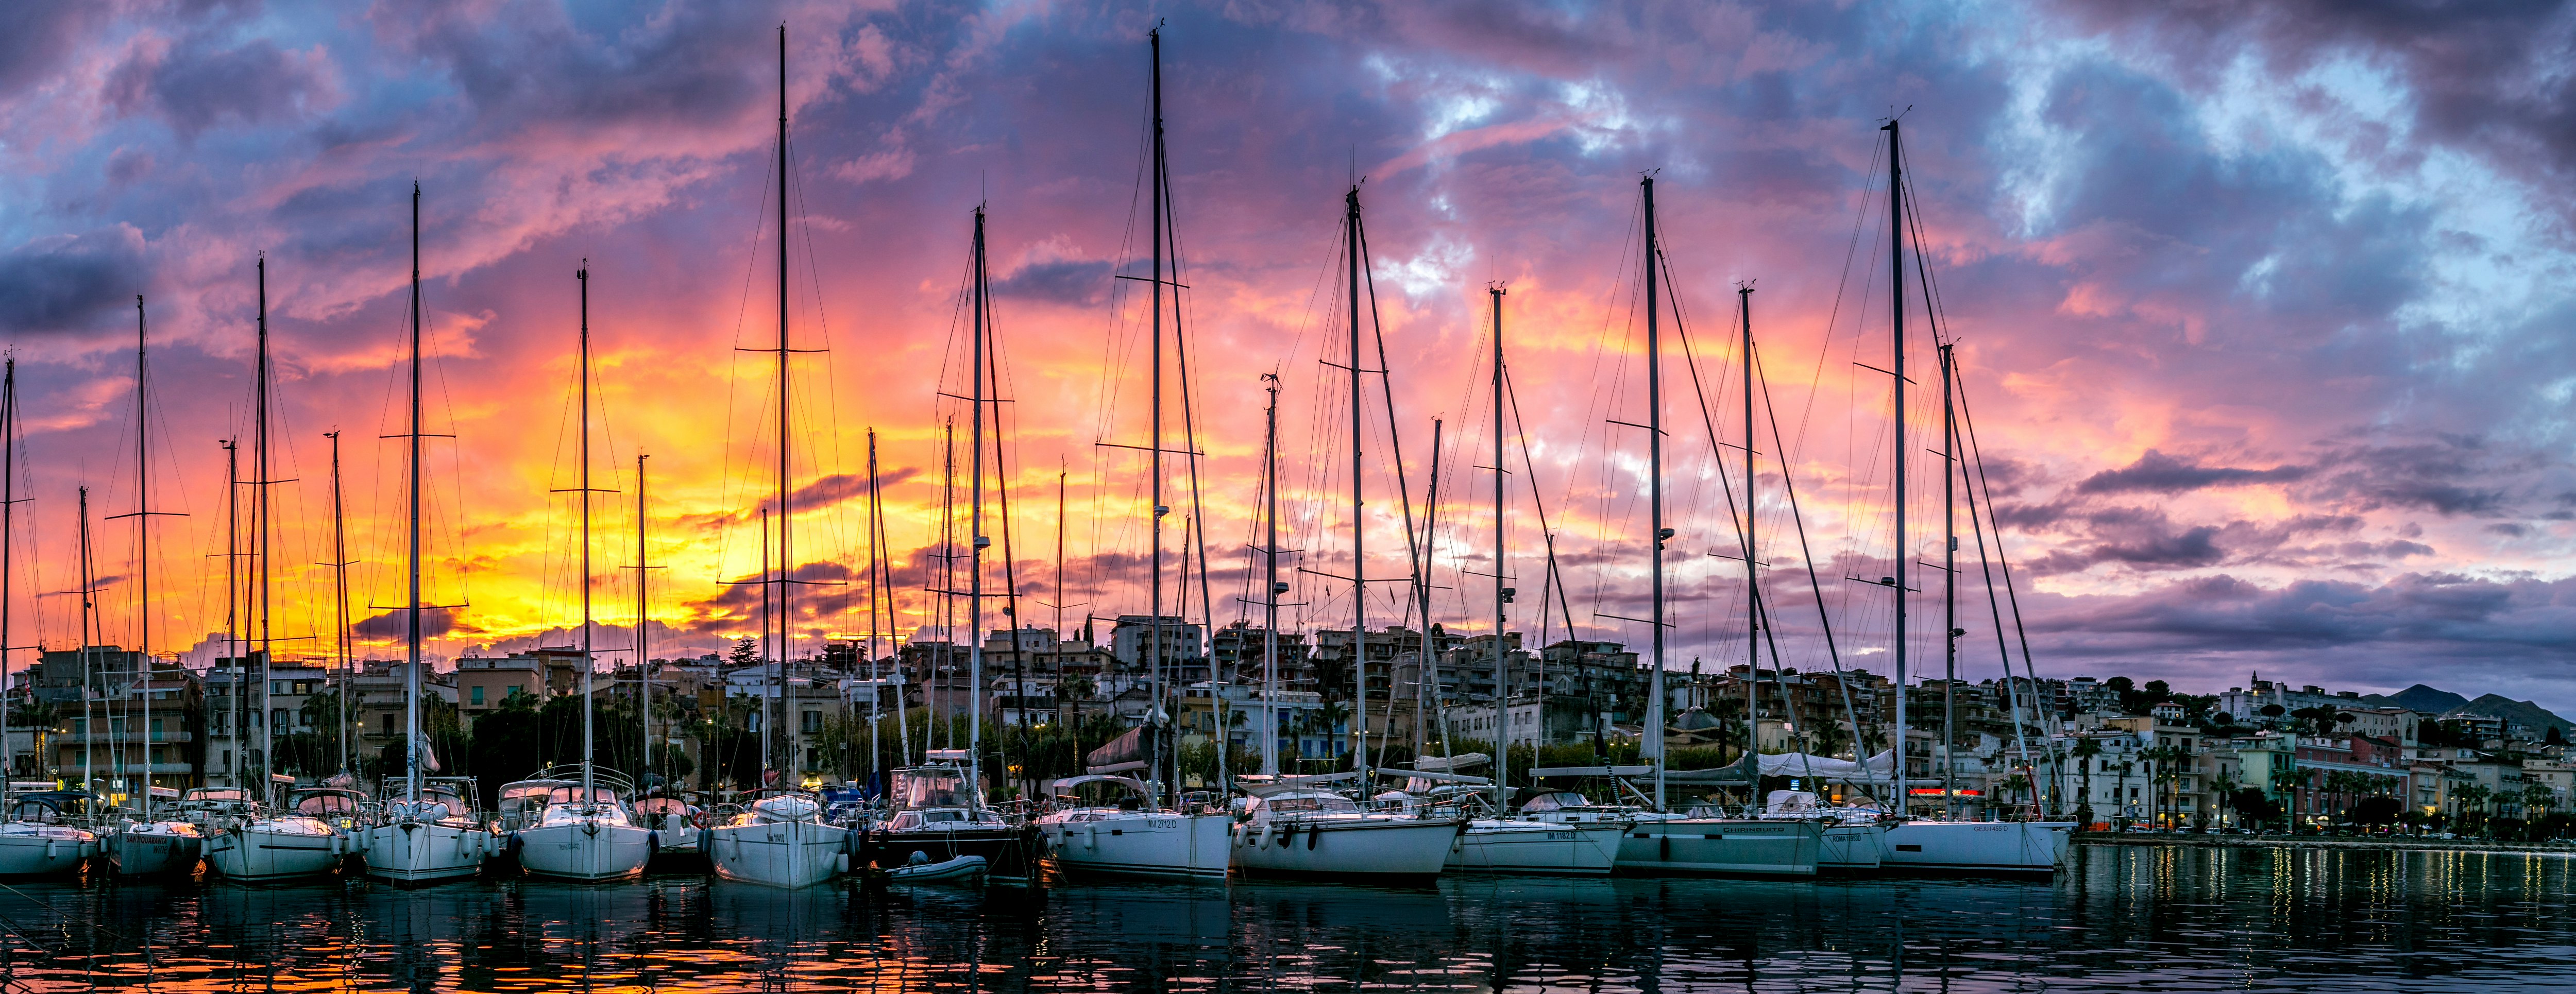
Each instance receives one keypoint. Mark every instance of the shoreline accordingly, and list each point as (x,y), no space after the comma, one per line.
(2317,842)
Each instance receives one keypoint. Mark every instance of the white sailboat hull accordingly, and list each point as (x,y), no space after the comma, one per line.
(1319,848)
(420,851)
(591,851)
(1144,844)
(253,854)
(1537,847)
(144,850)
(1852,848)
(1721,846)
(1976,846)
(31,850)
(779,854)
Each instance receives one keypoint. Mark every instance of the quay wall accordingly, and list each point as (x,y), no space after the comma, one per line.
(2315,842)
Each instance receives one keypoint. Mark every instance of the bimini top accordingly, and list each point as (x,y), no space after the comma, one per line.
(1065,787)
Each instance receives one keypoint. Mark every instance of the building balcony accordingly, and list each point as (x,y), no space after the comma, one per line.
(118,738)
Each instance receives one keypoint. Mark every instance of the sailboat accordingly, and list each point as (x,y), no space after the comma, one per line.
(33,839)
(1301,826)
(782,837)
(1970,846)
(147,845)
(1136,834)
(937,811)
(425,832)
(1662,842)
(254,842)
(1506,844)
(586,831)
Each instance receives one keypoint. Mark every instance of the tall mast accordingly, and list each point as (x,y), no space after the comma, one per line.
(1950,592)
(1270,578)
(643,617)
(881,586)
(1752,547)
(143,541)
(1502,594)
(1655,498)
(1424,673)
(340,601)
(232,613)
(786,563)
(411,629)
(89,662)
(142,515)
(765,721)
(1154,444)
(262,508)
(876,590)
(1359,533)
(8,533)
(1896,341)
(977,542)
(581,371)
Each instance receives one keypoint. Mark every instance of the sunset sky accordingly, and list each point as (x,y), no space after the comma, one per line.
(2262,311)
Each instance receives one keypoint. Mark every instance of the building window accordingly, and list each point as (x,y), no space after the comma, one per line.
(156,729)
(277,717)
(511,690)
(813,722)
(386,723)
(277,686)
(478,696)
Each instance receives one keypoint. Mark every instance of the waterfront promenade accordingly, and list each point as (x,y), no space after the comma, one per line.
(2363,843)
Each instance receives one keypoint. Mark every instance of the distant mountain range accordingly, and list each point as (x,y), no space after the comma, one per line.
(2436,701)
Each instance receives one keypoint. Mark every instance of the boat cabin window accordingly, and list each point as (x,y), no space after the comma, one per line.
(41,811)
(931,789)
(455,805)
(214,794)
(1310,802)
(661,806)
(1557,800)
(571,794)
(324,804)
(944,815)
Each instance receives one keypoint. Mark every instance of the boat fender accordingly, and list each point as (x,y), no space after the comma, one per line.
(514,845)
(1461,826)
(706,841)
(1312,835)
(653,841)
(841,863)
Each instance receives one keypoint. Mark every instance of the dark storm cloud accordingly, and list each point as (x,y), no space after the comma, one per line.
(197,82)
(37,37)
(72,284)
(2157,472)
(436,622)
(1062,281)
(821,493)
(2447,614)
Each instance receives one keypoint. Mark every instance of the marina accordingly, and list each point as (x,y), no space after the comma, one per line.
(1551,499)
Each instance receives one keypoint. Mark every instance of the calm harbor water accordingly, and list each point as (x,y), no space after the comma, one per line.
(2125,919)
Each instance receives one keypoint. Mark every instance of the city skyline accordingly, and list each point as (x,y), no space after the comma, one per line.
(2256,321)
